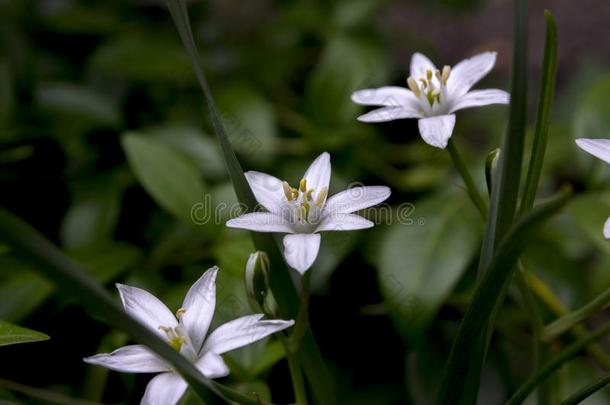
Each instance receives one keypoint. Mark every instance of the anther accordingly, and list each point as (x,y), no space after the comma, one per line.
(445,74)
(180,312)
(303,185)
(321,196)
(287,191)
(412,83)
(308,196)
(429,74)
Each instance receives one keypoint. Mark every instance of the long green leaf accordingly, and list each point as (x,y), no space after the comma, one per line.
(566,322)
(483,303)
(587,391)
(568,353)
(505,187)
(74,281)
(281,284)
(12,334)
(547,88)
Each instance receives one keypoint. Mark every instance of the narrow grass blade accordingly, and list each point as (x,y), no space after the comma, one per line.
(587,391)
(75,282)
(568,353)
(281,285)
(568,321)
(547,88)
(485,297)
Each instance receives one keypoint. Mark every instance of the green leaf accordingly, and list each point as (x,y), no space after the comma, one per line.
(136,57)
(71,99)
(555,363)
(592,118)
(476,320)
(590,212)
(12,334)
(333,80)
(547,88)
(419,263)
(170,179)
(586,391)
(250,122)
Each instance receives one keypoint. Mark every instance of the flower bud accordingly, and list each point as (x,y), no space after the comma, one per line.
(257,280)
(491,164)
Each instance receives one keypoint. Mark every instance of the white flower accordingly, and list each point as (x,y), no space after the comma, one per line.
(304,211)
(433,96)
(600,148)
(185,332)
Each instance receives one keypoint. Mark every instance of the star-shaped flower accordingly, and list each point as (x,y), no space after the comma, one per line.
(600,148)
(303,212)
(187,332)
(433,96)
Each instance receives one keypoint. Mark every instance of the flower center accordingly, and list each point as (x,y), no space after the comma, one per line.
(174,337)
(306,208)
(431,86)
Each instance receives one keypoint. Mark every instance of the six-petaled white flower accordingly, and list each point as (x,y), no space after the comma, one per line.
(186,332)
(600,148)
(433,96)
(304,211)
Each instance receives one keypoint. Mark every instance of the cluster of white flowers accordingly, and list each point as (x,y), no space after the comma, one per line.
(300,213)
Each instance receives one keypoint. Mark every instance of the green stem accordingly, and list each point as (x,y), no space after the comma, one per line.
(545,295)
(587,391)
(48,397)
(528,386)
(568,321)
(538,346)
(302,323)
(296,374)
(471,187)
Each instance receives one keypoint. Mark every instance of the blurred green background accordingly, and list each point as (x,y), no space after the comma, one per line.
(105,146)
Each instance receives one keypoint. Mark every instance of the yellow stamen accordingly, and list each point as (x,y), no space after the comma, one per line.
(321,196)
(287,190)
(303,185)
(445,74)
(412,83)
(429,74)
(295,193)
(180,312)
(307,208)
(308,196)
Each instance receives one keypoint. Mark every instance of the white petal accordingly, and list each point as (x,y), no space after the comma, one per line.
(344,222)
(164,389)
(420,64)
(318,173)
(212,365)
(267,189)
(355,198)
(600,148)
(241,332)
(390,96)
(130,359)
(301,250)
(477,98)
(146,308)
(607,229)
(436,131)
(261,222)
(389,114)
(469,71)
(198,306)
